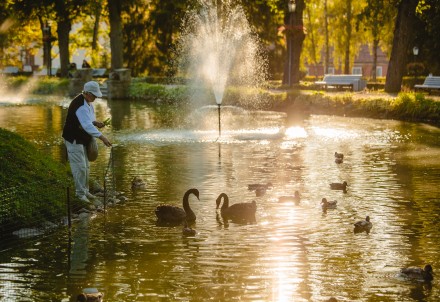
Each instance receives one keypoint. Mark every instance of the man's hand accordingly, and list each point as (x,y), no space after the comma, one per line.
(98,124)
(105,141)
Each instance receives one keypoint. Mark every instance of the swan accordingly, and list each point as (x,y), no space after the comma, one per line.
(295,198)
(363,225)
(418,273)
(339,186)
(328,204)
(237,211)
(172,214)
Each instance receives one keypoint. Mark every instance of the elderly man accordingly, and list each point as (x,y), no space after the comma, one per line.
(79,128)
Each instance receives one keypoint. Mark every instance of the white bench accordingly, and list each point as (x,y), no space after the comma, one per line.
(98,72)
(430,83)
(10,70)
(352,81)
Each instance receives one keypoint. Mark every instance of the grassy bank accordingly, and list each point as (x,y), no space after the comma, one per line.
(32,185)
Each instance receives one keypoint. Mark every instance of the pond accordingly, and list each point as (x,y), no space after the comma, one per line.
(293,252)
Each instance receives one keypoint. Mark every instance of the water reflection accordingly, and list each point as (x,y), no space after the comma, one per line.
(294,252)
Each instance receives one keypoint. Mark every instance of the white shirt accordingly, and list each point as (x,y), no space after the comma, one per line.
(86,117)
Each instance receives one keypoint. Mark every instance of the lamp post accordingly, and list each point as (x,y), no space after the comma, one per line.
(291,5)
(415,53)
(47,38)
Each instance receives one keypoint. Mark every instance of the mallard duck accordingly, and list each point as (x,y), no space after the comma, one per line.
(169,214)
(418,273)
(266,186)
(363,225)
(339,186)
(90,295)
(290,198)
(237,211)
(137,183)
(260,192)
(339,155)
(187,231)
(325,204)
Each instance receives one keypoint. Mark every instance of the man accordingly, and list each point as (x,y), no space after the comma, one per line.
(78,130)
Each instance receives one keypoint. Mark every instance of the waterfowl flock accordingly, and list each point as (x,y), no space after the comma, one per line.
(168,215)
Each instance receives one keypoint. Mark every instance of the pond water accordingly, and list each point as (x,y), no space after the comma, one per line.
(292,252)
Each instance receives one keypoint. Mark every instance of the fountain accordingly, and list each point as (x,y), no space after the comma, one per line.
(218,48)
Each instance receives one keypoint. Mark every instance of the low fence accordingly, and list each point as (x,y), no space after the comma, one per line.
(33,210)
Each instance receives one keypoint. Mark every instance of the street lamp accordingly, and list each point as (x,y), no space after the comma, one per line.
(415,52)
(47,38)
(291,5)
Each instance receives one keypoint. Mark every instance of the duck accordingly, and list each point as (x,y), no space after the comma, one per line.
(339,186)
(90,297)
(363,225)
(266,186)
(339,155)
(290,198)
(325,204)
(237,211)
(137,183)
(260,192)
(188,231)
(339,160)
(418,273)
(169,214)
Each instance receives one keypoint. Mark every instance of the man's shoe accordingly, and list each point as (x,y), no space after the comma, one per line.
(84,199)
(90,195)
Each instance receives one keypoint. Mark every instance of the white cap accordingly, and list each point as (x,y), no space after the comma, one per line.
(93,88)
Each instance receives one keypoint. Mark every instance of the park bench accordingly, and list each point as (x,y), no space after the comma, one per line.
(431,83)
(98,72)
(352,81)
(10,70)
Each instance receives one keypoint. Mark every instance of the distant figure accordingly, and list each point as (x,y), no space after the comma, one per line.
(72,70)
(85,64)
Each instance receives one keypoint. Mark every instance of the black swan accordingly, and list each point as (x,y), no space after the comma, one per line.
(188,231)
(169,214)
(238,211)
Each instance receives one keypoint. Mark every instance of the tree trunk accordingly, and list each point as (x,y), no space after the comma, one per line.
(347,42)
(116,42)
(327,47)
(403,36)
(374,68)
(63,30)
(95,33)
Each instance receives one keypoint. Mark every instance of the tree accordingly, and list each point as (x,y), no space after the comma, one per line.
(116,41)
(374,19)
(295,37)
(403,38)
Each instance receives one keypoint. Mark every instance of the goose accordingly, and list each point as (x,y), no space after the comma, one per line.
(418,273)
(172,214)
(339,186)
(187,231)
(137,183)
(237,211)
(325,204)
(266,186)
(290,198)
(339,155)
(363,225)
